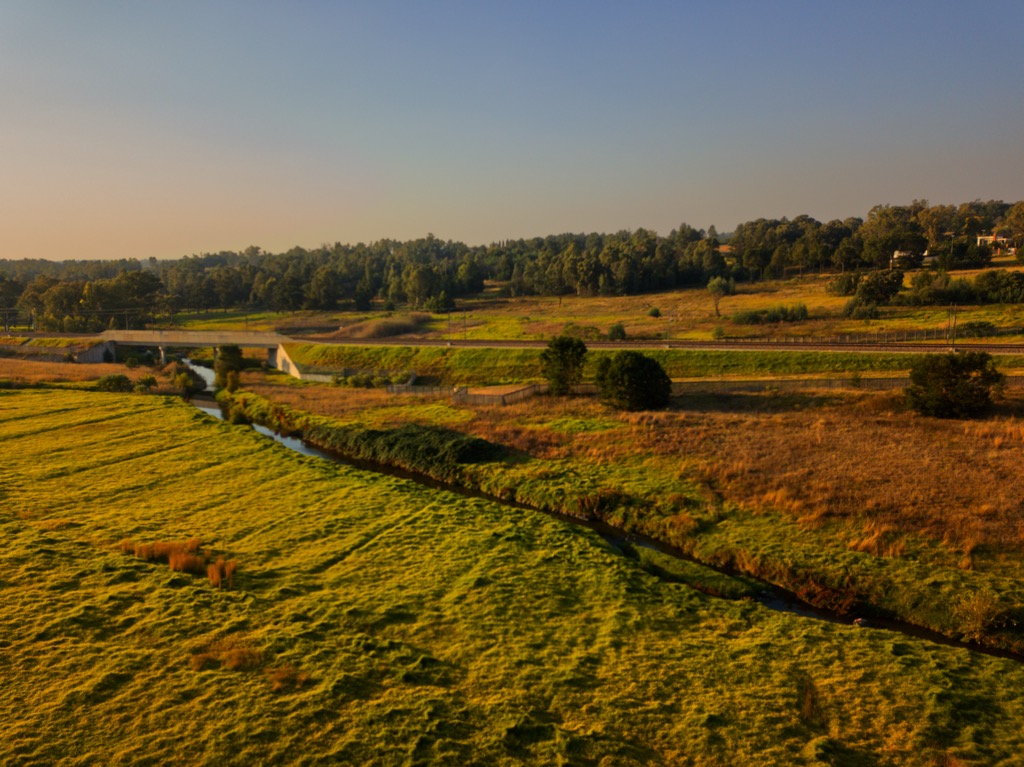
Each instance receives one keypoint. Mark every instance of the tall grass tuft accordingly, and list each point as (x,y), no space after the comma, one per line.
(184,557)
(286,678)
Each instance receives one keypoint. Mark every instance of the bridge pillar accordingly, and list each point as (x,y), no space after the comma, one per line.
(163,355)
(272,357)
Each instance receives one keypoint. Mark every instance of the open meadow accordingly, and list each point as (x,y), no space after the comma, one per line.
(373,621)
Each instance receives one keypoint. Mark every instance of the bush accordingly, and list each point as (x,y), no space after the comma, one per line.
(978,329)
(880,287)
(115,383)
(617,332)
(860,310)
(654,312)
(562,363)
(632,381)
(843,285)
(953,385)
(772,315)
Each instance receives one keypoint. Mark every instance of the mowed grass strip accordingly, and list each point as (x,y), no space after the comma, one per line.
(373,621)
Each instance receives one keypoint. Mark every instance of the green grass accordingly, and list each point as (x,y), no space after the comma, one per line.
(60,343)
(427,628)
(499,366)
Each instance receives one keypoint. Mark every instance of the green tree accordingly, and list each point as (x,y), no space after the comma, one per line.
(880,287)
(229,359)
(719,287)
(630,380)
(562,363)
(953,385)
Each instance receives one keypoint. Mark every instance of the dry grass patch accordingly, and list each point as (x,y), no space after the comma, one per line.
(34,371)
(185,557)
(232,653)
(286,678)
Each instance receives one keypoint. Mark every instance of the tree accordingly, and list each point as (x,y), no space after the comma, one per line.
(953,385)
(719,287)
(229,359)
(891,228)
(562,363)
(630,380)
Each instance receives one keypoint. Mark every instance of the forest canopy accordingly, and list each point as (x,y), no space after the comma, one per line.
(429,273)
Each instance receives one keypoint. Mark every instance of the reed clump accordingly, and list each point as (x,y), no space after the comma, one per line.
(185,557)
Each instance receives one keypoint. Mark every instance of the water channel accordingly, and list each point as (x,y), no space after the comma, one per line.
(773,597)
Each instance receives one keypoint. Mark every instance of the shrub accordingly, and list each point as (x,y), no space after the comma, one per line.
(772,315)
(654,312)
(430,450)
(953,385)
(858,309)
(617,332)
(843,285)
(562,363)
(880,287)
(115,383)
(978,329)
(632,381)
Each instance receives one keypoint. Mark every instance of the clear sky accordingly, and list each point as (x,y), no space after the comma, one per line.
(173,127)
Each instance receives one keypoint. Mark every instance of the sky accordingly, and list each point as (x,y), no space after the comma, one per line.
(175,127)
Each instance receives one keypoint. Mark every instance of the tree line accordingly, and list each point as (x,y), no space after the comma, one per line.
(429,273)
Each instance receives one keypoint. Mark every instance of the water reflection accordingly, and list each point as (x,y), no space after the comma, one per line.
(292,443)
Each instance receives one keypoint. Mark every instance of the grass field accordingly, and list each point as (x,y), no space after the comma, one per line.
(376,622)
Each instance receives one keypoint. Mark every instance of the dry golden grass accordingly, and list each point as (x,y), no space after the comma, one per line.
(30,372)
(899,473)
(34,371)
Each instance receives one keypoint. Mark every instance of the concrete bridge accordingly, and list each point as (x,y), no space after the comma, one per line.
(165,339)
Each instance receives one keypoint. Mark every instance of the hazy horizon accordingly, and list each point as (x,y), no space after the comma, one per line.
(134,131)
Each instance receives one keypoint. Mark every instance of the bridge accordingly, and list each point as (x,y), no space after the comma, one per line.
(165,339)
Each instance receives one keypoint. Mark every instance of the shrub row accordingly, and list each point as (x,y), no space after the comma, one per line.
(772,315)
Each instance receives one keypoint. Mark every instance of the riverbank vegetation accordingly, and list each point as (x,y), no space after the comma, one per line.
(374,621)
